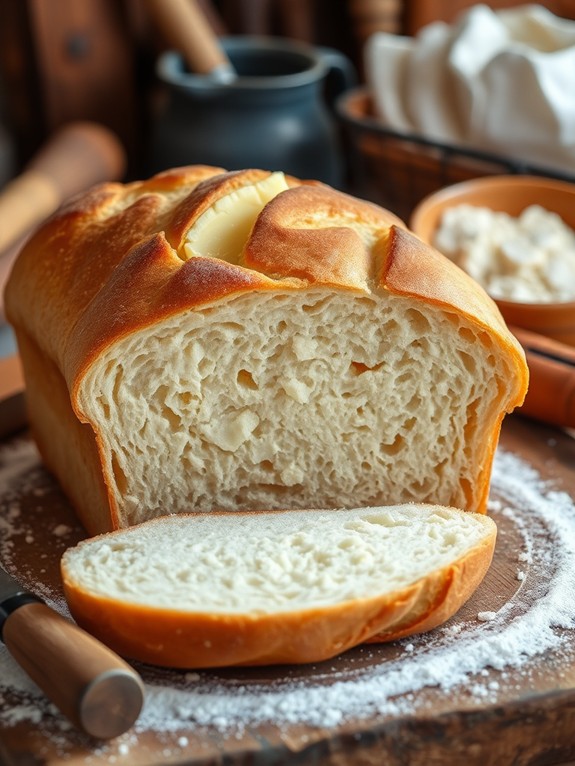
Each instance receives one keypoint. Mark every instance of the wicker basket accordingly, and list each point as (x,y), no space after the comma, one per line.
(398,170)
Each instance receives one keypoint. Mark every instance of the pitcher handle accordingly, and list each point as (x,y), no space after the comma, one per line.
(341,73)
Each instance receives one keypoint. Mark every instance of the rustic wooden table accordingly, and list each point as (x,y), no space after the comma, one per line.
(497,717)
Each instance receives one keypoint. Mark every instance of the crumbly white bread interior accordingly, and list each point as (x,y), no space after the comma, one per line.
(274,562)
(311,398)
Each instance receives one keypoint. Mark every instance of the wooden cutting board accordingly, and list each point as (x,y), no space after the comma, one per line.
(512,715)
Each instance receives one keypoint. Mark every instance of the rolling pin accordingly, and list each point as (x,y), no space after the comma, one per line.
(90,684)
(551,394)
(187,29)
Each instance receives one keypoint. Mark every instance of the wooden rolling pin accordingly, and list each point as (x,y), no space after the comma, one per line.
(77,156)
(187,30)
(551,395)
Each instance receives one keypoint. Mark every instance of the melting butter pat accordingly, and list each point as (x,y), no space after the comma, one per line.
(223,229)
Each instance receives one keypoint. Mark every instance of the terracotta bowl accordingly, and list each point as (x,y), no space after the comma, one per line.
(510,194)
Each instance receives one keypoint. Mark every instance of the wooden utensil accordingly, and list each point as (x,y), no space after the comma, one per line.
(551,394)
(187,30)
(91,685)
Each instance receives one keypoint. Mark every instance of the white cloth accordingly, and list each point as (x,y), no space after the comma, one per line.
(498,81)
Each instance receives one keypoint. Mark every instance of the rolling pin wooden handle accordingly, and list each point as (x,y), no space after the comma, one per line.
(89,683)
(551,394)
(78,156)
(187,29)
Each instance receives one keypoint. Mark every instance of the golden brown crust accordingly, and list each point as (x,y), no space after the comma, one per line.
(287,242)
(62,440)
(174,638)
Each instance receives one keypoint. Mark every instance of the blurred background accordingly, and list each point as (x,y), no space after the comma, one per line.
(63,60)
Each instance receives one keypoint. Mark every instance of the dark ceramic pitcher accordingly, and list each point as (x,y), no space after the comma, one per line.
(273,116)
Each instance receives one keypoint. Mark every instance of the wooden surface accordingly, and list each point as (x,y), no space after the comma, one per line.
(529,719)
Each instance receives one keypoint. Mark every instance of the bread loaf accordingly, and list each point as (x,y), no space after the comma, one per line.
(208,590)
(208,341)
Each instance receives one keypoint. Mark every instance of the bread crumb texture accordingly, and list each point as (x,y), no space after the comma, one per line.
(277,399)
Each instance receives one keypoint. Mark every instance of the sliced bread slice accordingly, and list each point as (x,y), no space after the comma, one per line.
(208,590)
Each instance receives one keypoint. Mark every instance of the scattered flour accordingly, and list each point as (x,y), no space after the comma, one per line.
(461,653)
(60,530)
(486,616)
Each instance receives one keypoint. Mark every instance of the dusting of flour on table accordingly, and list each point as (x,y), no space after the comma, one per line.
(476,654)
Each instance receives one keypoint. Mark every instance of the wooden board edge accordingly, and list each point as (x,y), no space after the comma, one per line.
(12,400)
